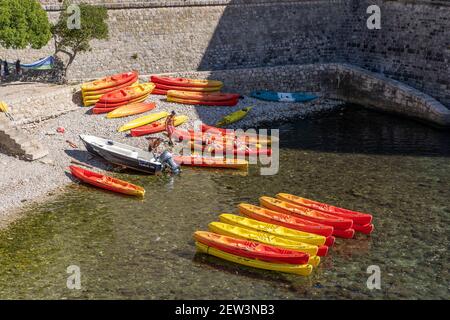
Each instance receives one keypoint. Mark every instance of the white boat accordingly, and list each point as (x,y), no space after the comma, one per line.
(122,154)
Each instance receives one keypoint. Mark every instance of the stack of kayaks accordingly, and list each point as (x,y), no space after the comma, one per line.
(125,96)
(164,84)
(203,98)
(92,91)
(281,239)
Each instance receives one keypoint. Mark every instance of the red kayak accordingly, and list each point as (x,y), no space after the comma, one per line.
(105,182)
(157,126)
(185,82)
(211,129)
(196,89)
(97,110)
(342,227)
(222,150)
(119,104)
(203,96)
(365,229)
(286,220)
(357,217)
(251,249)
(159,92)
(227,103)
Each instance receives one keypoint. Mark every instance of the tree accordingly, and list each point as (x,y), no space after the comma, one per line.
(71,36)
(23,23)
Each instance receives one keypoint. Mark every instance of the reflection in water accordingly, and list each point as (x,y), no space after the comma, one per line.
(126,248)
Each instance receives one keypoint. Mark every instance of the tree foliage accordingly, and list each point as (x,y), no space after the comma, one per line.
(23,23)
(92,25)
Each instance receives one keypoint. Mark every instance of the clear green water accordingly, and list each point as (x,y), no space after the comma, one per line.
(394,168)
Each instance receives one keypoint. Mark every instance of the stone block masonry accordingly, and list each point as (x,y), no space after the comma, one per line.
(15,142)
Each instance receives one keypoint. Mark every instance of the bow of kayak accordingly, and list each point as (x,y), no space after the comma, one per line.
(251,249)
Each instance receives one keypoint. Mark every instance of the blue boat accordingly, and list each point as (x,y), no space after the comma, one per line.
(283,96)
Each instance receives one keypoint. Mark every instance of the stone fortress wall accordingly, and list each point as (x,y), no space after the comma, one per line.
(159,36)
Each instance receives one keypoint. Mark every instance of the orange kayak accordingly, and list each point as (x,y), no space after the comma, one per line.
(286,220)
(211,162)
(228,103)
(156,127)
(359,218)
(196,89)
(185,82)
(202,96)
(105,182)
(108,82)
(251,249)
(131,109)
(342,227)
(128,93)
(119,104)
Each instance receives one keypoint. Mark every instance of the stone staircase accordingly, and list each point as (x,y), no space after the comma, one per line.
(14,142)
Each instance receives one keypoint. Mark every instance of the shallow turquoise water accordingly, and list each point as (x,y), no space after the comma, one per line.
(396,169)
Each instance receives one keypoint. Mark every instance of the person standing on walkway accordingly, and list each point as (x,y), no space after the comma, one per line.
(18,67)
(170,126)
(5,69)
(1,69)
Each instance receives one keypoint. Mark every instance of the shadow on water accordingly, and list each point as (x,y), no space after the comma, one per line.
(353,129)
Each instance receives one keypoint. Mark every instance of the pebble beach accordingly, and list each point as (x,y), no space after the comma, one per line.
(36,181)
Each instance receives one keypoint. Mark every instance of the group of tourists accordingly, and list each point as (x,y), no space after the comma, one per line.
(4,69)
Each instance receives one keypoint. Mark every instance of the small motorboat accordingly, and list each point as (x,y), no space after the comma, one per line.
(122,154)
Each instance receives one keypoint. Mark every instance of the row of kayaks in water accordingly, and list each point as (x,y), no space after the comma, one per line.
(280,239)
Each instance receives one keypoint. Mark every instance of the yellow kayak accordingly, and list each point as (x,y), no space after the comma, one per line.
(300,269)
(244,233)
(233,117)
(274,229)
(3,107)
(142,121)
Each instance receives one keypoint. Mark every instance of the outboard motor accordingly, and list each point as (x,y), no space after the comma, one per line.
(167,160)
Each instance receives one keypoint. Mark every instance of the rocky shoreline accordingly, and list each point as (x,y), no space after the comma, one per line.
(24,183)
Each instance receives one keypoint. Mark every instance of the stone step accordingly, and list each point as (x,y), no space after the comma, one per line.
(14,142)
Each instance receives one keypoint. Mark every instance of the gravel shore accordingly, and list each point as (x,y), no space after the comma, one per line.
(22,183)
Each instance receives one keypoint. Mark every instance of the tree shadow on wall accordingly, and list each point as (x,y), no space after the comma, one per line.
(52,76)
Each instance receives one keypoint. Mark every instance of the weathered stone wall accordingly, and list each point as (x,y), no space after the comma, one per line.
(164,36)
(413,45)
(336,81)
